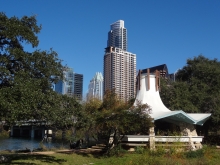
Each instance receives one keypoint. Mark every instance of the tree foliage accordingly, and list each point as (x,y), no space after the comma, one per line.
(67,113)
(27,78)
(116,118)
(197,88)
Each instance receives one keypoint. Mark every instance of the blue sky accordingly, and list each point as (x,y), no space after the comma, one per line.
(159,31)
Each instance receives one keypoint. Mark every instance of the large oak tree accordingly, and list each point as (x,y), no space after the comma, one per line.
(196,89)
(27,78)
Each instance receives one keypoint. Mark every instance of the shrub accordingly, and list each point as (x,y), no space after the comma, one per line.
(160,151)
(43,147)
(195,154)
(140,149)
(116,151)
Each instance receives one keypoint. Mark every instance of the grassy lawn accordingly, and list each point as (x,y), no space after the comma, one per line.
(207,156)
(65,159)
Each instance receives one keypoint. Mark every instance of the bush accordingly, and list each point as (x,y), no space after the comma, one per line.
(195,154)
(160,151)
(43,147)
(117,151)
(139,149)
(3,133)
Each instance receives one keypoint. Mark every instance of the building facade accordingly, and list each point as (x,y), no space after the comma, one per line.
(96,87)
(120,72)
(117,36)
(78,86)
(72,84)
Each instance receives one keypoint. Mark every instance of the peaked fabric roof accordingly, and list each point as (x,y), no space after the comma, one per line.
(149,94)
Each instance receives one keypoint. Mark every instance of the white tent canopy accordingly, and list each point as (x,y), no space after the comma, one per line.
(148,92)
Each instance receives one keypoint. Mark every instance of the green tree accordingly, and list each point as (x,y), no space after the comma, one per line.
(27,78)
(177,96)
(66,113)
(197,88)
(115,118)
(90,111)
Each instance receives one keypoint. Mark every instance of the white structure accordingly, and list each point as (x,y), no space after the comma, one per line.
(148,92)
(96,87)
(117,36)
(120,72)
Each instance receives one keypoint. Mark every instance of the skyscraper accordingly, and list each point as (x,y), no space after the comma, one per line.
(119,65)
(78,86)
(72,84)
(120,72)
(96,87)
(67,85)
(117,36)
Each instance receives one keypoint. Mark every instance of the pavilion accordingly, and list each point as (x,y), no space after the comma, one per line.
(148,93)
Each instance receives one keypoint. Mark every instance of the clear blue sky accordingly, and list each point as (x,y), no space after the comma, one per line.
(159,31)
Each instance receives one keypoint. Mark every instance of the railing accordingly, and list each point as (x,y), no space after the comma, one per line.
(145,138)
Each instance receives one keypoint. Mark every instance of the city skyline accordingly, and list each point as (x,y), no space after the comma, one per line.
(160,32)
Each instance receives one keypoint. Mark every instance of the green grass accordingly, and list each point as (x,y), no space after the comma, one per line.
(65,159)
(206,156)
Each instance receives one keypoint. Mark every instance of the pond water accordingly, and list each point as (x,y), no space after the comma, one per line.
(13,143)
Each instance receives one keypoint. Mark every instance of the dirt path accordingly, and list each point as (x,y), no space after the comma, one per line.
(87,151)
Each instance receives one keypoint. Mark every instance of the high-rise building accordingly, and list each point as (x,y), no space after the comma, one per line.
(117,36)
(67,85)
(120,72)
(78,86)
(96,87)
(72,84)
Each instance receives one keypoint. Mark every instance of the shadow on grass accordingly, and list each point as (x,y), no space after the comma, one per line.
(84,153)
(27,158)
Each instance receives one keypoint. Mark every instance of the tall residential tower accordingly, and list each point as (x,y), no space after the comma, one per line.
(119,65)
(117,36)
(120,72)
